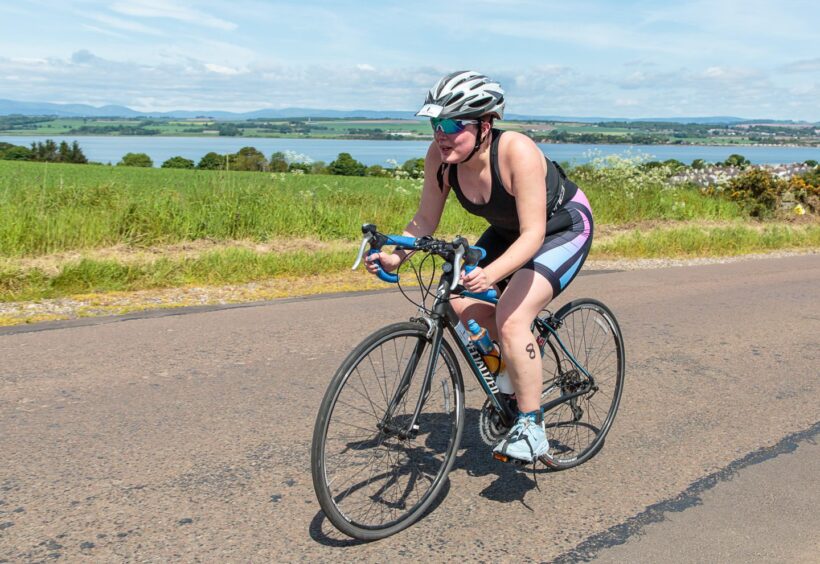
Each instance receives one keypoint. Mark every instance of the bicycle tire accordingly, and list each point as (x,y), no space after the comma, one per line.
(374,506)
(577,428)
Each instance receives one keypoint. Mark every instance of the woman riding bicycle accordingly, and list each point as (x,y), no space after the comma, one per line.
(539,235)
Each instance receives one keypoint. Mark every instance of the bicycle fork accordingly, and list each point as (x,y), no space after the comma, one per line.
(410,431)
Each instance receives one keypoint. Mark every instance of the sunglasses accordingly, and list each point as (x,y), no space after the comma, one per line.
(450,126)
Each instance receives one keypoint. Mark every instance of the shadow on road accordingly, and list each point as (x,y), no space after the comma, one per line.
(511,483)
(336,539)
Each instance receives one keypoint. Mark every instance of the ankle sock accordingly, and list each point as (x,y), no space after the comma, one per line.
(535,416)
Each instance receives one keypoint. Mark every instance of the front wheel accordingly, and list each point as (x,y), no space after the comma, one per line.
(577,427)
(373,474)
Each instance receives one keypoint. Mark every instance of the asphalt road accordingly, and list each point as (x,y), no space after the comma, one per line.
(186,437)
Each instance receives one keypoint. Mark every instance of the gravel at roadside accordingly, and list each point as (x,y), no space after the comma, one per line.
(13,313)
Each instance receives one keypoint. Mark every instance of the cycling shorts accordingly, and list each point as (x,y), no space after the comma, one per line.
(565,248)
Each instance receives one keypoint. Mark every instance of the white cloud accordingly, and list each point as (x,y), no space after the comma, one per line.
(365,67)
(171,10)
(219,69)
(107,32)
(125,25)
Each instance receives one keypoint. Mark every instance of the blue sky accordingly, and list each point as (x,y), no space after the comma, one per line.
(750,58)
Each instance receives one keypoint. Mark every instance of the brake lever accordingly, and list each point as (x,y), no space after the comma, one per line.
(365,240)
(462,248)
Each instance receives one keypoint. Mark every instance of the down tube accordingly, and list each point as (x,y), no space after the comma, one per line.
(470,352)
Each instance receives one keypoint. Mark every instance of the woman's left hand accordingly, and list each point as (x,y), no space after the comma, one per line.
(476,281)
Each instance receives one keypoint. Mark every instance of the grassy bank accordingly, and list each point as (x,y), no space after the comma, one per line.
(49,208)
(58,221)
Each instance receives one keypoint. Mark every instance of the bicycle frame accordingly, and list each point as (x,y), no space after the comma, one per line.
(442,315)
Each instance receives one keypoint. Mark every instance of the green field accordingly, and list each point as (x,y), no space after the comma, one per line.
(67,215)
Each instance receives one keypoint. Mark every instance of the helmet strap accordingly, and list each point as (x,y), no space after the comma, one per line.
(479,139)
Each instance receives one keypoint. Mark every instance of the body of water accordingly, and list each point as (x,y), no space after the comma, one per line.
(110,149)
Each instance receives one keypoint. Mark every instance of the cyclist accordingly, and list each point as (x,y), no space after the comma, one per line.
(539,235)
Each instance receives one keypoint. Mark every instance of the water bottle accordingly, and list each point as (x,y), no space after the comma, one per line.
(489,351)
(480,337)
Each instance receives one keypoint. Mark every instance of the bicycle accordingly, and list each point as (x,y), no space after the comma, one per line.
(381,450)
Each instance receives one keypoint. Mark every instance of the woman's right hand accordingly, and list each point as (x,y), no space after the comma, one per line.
(389,262)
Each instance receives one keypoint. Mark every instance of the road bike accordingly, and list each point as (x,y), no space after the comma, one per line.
(389,426)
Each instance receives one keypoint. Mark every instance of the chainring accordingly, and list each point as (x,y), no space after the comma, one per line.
(490,427)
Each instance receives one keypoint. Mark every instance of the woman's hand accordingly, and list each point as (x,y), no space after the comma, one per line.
(389,262)
(476,281)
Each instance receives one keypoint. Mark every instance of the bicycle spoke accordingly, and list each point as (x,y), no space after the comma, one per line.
(594,342)
(373,477)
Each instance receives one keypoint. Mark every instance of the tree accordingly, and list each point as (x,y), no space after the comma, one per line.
(178,162)
(810,162)
(278,162)
(212,161)
(75,154)
(375,170)
(136,159)
(346,165)
(63,152)
(228,130)
(698,164)
(249,158)
(736,160)
(46,151)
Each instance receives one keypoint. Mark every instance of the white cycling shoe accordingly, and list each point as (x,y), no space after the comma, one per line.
(525,442)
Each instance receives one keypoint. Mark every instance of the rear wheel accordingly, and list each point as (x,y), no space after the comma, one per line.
(371,477)
(577,427)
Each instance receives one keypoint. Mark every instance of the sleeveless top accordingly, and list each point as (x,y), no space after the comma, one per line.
(500,210)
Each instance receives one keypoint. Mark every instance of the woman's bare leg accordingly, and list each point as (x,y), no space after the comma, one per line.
(482,312)
(525,296)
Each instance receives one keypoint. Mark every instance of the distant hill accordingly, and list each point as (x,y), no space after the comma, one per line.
(8,107)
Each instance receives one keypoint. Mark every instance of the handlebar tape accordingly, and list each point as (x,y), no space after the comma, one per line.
(380,272)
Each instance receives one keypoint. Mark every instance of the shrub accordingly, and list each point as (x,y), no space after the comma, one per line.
(178,162)
(136,159)
(303,168)
(346,165)
(805,189)
(414,168)
(11,152)
(212,161)
(737,160)
(758,191)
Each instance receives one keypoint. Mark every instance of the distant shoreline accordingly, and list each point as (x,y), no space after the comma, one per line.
(389,139)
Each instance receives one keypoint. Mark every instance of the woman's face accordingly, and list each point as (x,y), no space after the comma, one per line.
(455,147)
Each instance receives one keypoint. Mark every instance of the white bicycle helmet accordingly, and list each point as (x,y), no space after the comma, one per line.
(464,94)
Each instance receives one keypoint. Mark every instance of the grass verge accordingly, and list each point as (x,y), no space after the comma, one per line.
(239,265)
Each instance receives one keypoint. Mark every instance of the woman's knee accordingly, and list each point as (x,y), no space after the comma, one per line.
(512,325)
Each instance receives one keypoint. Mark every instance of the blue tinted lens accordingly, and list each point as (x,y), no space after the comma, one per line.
(448,126)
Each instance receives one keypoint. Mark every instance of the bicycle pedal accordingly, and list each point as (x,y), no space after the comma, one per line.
(509,459)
